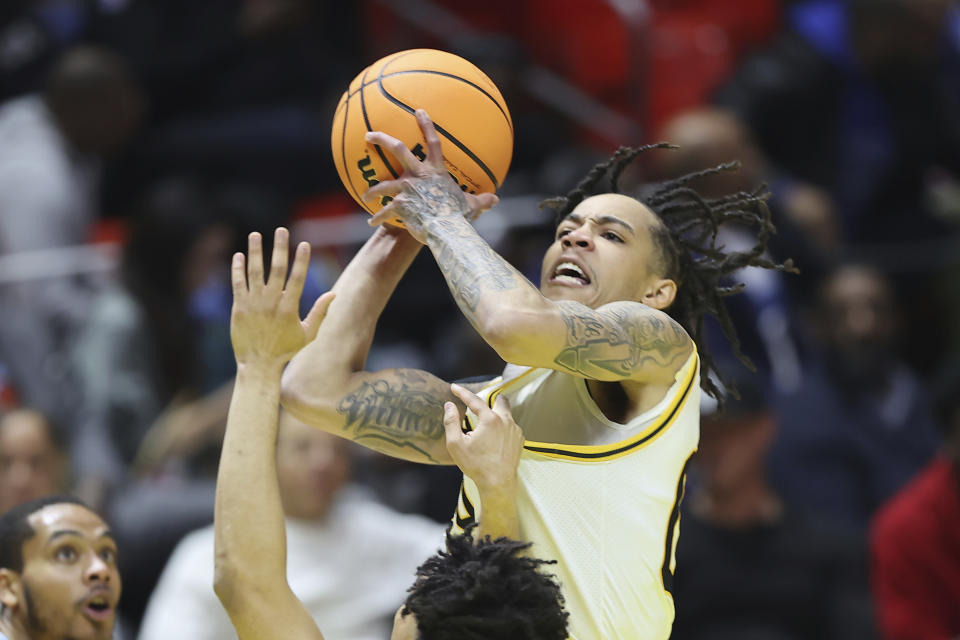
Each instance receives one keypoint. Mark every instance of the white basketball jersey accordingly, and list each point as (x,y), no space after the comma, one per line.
(608,513)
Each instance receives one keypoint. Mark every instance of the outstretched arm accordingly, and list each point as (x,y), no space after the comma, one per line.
(250,539)
(618,341)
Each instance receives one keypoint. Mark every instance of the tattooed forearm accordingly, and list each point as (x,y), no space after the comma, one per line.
(618,340)
(470,266)
(401,410)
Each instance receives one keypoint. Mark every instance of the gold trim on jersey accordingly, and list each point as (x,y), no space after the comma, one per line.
(617,449)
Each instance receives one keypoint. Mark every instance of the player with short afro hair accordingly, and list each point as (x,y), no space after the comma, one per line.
(486,589)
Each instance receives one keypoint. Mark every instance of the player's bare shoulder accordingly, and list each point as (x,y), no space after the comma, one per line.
(622,341)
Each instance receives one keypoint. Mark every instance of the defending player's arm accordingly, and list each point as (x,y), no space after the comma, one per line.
(489,456)
(250,540)
(617,341)
(398,412)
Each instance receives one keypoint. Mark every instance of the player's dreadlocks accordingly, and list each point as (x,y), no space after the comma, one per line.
(686,244)
(487,589)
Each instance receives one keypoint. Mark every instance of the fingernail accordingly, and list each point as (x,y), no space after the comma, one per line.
(369,135)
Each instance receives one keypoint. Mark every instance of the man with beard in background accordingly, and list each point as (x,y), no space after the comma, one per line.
(860,424)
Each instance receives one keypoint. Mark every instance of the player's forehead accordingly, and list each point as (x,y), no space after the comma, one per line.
(66,519)
(617,208)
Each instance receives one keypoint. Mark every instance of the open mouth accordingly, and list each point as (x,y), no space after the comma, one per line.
(569,273)
(98,608)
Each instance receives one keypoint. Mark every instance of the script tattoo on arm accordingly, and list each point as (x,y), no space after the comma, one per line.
(619,339)
(396,411)
(472,268)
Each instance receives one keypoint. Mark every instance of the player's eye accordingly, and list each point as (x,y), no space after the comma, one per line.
(108,555)
(66,553)
(610,235)
(563,232)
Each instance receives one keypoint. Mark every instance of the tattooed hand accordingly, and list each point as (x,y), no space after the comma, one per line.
(425,190)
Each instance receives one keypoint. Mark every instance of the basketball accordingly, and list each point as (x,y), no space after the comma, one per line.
(468,112)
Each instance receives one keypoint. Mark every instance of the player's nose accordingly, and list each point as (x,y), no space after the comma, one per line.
(579,237)
(98,570)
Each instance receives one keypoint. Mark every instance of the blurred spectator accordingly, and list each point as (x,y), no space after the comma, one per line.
(709,136)
(329,527)
(860,97)
(137,360)
(152,415)
(763,314)
(915,541)
(860,424)
(750,566)
(50,151)
(33,463)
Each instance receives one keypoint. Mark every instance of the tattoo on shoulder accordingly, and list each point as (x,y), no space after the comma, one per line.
(618,340)
(402,409)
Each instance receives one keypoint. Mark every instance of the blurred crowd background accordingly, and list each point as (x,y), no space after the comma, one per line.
(140,140)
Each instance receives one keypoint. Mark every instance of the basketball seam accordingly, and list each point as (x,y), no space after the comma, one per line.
(496,103)
(366,121)
(343,147)
(446,134)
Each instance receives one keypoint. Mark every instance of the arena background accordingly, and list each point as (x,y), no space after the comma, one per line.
(210,119)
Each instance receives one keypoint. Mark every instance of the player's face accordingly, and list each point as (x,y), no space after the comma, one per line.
(602,252)
(70,586)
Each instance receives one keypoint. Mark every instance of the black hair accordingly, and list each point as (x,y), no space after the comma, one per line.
(15,528)
(486,589)
(687,249)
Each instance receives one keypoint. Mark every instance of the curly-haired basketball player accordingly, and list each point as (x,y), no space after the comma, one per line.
(604,382)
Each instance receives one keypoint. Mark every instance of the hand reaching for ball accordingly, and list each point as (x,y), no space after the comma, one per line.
(425,189)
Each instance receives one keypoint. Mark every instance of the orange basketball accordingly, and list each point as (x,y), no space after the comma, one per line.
(467,110)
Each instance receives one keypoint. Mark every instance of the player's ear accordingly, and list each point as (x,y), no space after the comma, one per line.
(9,588)
(660,294)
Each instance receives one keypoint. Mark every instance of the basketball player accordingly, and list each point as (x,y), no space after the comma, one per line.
(58,572)
(604,383)
(483,590)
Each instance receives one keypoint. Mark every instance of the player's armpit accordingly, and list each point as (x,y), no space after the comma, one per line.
(621,341)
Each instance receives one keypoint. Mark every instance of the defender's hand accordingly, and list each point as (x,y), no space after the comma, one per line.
(491,452)
(425,189)
(265,325)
